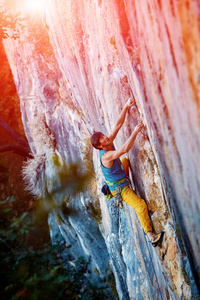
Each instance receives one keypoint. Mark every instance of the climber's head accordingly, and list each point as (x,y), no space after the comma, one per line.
(100,141)
(95,140)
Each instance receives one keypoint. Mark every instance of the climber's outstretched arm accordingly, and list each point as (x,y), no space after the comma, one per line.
(110,156)
(121,118)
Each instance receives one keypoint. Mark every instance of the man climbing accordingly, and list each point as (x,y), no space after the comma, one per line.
(116,171)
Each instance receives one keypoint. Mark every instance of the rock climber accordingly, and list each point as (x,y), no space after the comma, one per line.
(115,171)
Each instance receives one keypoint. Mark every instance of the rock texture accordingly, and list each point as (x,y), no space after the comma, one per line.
(74,69)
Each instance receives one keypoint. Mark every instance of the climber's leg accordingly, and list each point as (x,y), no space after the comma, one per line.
(125,164)
(140,207)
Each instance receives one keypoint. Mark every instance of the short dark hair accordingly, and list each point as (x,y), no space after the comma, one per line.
(95,139)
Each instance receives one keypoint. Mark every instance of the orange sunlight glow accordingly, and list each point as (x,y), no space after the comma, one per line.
(34,6)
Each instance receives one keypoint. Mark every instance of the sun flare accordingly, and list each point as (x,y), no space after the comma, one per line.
(34,6)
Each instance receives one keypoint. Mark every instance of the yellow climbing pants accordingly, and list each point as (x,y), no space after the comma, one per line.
(136,202)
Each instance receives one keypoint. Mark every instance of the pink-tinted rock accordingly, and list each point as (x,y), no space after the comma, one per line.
(74,73)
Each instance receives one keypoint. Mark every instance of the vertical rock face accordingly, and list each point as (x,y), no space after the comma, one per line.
(74,71)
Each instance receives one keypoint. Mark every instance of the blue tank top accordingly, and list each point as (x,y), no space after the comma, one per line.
(115,173)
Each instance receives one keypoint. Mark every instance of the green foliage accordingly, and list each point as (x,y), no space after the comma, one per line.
(32,274)
(94,207)
(72,179)
(178,231)
(184,273)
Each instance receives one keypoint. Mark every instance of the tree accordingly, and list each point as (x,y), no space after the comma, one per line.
(32,274)
(22,146)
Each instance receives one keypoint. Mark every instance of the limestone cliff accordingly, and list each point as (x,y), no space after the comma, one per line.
(74,67)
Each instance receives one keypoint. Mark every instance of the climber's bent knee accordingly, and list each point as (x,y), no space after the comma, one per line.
(140,207)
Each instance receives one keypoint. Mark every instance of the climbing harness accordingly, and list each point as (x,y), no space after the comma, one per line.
(106,191)
(117,182)
(118,196)
(118,190)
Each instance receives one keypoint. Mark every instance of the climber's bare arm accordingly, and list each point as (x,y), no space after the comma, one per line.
(121,118)
(108,157)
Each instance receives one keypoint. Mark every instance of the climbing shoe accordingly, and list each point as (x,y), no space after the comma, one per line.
(157,239)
